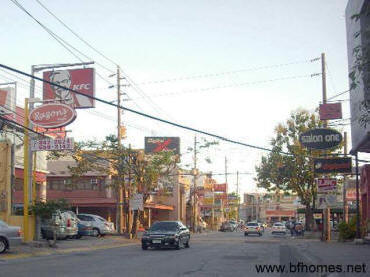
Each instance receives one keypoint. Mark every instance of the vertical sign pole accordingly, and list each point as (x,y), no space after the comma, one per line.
(345,205)
(25,173)
(358,233)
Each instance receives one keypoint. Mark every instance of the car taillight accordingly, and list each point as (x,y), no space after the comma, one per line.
(19,233)
(68,223)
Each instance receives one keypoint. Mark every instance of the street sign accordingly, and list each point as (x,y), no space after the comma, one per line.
(320,138)
(330,111)
(136,202)
(334,165)
(158,144)
(326,185)
(52,115)
(52,144)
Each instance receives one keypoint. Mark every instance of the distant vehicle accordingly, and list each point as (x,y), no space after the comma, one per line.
(227,227)
(252,228)
(63,222)
(162,234)
(279,228)
(9,236)
(100,225)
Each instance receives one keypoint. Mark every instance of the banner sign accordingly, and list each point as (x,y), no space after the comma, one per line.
(52,115)
(158,144)
(326,185)
(220,187)
(335,165)
(320,138)
(81,80)
(52,144)
(7,100)
(136,202)
(220,195)
(330,111)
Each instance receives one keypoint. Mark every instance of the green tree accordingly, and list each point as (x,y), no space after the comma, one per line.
(289,166)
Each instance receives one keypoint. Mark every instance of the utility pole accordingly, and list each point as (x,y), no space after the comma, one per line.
(345,205)
(119,220)
(195,186)
(227,202)
(327,233)
(237,192)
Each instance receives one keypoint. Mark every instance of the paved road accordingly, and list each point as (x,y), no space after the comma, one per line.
(214,254)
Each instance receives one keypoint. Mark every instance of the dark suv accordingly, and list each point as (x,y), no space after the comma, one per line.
(166,234)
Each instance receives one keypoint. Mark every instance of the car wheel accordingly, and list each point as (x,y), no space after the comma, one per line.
(96,232)
(245,234)
(187,244)
(3,245)
(260,234)
(144,247)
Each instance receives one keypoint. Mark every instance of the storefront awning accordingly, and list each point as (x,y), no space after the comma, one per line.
(158,206)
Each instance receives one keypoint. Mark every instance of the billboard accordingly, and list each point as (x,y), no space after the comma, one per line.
(335,165)
(81,80)
(220,188)
(330,111)
(7,100)
(320,138)
(158,144)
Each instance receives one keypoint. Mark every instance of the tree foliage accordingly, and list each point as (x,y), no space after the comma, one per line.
(46,209)
(292,171)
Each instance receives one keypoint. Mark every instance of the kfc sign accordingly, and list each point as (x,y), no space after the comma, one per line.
(81,80)
(52,115)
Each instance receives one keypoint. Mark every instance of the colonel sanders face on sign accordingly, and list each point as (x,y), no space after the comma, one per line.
(62,78)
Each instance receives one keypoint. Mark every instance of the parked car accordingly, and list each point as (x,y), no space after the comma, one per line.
(227,227)
(63,222)
(100,225)
(166,234)
(279,228)
(252,228)
(9,236)
(84,229)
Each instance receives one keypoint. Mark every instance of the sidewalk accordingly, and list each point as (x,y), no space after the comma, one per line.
(42,248)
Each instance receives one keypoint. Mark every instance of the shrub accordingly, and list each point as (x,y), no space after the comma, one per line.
(347,231)
(46,209)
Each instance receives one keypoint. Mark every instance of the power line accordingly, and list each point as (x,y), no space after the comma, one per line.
(201,76)
(339,94)
(73,32)
(231,85)
(143,114)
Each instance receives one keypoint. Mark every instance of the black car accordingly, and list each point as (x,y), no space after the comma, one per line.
(164,234)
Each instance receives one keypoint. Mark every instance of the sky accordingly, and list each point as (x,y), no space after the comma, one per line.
(232,68)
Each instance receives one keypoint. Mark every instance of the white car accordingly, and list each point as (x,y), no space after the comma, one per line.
(252,228)
(279,228)
(100,225)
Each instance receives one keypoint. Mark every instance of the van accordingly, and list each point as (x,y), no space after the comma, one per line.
(64,223)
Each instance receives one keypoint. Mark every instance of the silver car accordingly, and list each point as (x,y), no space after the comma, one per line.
(100,225)
(9,236)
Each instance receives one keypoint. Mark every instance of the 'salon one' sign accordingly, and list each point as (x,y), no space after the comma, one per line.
(320,138)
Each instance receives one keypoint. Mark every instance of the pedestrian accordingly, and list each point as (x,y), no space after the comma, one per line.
(292,228)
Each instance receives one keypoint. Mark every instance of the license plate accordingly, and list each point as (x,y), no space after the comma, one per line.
(156,241)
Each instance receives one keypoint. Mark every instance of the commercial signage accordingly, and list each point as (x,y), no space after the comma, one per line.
(320,138)
(330,111)
(220,187)
(52,115)
(52,144)
(334,165)
(7,100)
(326,185)
(136,202)
(326,201)
(81,80)
(158,144)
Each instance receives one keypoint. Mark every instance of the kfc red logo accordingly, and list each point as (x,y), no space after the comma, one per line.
(81,80)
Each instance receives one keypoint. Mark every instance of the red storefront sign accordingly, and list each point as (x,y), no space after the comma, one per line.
(330,111)
(80,80)
(220,187)
(52,115)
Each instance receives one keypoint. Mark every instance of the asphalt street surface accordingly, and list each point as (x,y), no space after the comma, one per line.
(213,254)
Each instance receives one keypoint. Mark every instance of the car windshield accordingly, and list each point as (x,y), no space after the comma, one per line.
(252,224)
(164,226)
